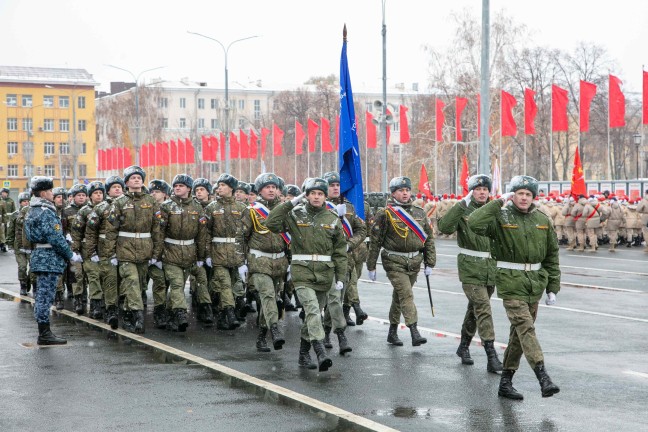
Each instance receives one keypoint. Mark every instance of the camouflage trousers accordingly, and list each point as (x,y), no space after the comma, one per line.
(159,285)
(580,236)
(402,297)
(313,299)
(93,273)
(222,283)
(108,282)
(522,339)
(351,289)
(2,233)
(268,288)
(593,235)
(479,317)
(79,285)
(45,296)
(22,259)
(132,283)
(238,289)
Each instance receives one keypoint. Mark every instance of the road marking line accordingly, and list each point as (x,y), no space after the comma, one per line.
(249,379)
(575,285)
(607,258)
(605,270)
(639,374)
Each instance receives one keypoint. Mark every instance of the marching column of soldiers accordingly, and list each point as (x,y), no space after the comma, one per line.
(247,248)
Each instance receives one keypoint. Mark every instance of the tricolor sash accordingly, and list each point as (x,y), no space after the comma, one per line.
(263,212)
(346,226)
(408,220)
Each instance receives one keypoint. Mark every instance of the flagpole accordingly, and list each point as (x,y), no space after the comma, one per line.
(307,151)
(500,143)
(525,154)
(551,141)
(321,151)
(436,166)
(366,156)
(273,150)
(609,155)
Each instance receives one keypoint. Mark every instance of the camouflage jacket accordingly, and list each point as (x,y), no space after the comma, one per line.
(43,227)
(356,243)
(68,215)
(79,243)
(225,229)
(100,237)
(9,207)
(260,238)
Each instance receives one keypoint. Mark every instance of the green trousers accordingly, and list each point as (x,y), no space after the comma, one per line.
(177,277)
(402,297)
(268,289)
(132,283)
(93,273)
(522,339)
(351,289)
(479,316)
(159,285)
(22,259)
(222,282)
(77,287)
(108,275)
(313,299)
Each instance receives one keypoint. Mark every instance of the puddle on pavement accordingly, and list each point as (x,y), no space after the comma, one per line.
(404,412)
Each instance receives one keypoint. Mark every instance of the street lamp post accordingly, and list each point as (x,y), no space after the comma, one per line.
(227,108)
(383,124)
(637,142)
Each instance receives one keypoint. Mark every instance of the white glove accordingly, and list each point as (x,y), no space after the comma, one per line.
(94,258)
(156,263)
(341,209)
(289,277)
(427,271)
(372,275)
(298,199)
(76,257)
(551,299)
(114,261)
(199,263)
(208,261)
(243,271)
(68,237)
(339,286)
(466,199)
(507,196)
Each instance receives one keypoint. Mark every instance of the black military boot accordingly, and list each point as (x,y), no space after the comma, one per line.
(205,314)
(58,300)
(298,304)
(327,337)
(79,306)
(249,298)
(3,247)
(343,342)
(160,318)
(128,322)
(144,298)
(464,350)
(232,322)
(221,320)
(304,355)
(288,306)
(277,337)
(95,309)
(111,317)
(361,315)
(548,388)
(506,388)
(239,308)
(180,318)
(24,288)
(417,339)
(346,309)
(324,363)
(138,321)
(261,343)
(46,337)
(494,364)
(392,336)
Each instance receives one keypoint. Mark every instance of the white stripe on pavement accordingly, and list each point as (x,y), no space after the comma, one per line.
(639,374)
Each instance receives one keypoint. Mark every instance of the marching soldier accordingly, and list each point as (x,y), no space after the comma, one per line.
(290,191)
(76,279)
(476,271)
(9,208)
(616,220)
(160,191)
(59,203)
(579,222)
(404,233)
(319,258)
(525,247)
(642,209)
(570,223)
(593,214)
(359,257)
(14,241)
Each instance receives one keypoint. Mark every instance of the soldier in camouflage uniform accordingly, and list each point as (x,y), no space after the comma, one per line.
(227,251)
(266,260)
(289,192)
(14,241)
(48,260)
(525,247)
(100,243)
(160,191)
(405,247)
(319,259)
(476,272)
(139,241)
(76,275)
(9,208)
(358,258)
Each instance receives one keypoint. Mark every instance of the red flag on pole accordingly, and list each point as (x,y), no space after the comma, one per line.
(222,146)
(645,98)
(371,138)
(325,136)
(578,179)
(586,94)
(100,161)
(559,101)
(120,158)
(424,183)
(312,135)
(182,151)
(206,148)
(530,111)
(162,153)
(463,180)
(254,144)
(404,126)
(264,141)
(337,133)
(245,147)
(143,156)
(440,119)
(299,138)
(128,157)
(617,103)
(191,151)
(107,165)
(509,128)
(174,152)
(277,137)
(234,146)
(460,105)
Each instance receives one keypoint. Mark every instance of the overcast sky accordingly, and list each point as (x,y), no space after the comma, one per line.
(298,38)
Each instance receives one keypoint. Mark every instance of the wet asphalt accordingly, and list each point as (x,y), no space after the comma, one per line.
(595,342)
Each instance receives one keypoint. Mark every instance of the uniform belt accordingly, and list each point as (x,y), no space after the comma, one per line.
(259,253)
(223,240)
(302,257)
(179,242)
(474,253)
(103,236)
(43,245)
(519,266)
(367,240)
(25,251)
(134,234)
(403,254)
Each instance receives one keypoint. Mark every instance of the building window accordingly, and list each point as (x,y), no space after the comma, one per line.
(241,123)
(81,102)
(49,170)
(12,100)
(183,102)
(83,170)
(67,172)
(214,123)
(48,125)
(28,124)
(183,123)
(214,103)
(28,170)
(64,148)
(48,101)
(82,125)
(64,125)
(201,123)
(26,100)
(165,123)
(84,148)
(275,105)
(201,103)
(12,170)
(12,147)
(48,148)
(163,102)
(232,103)
(257,109)
(241,104)
(12,124)
(64,102)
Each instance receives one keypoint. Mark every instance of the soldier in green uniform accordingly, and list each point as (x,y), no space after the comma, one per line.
(289,192)
(100,244)
(403,231)
(526,249)
(9,208)
(59,203)
(15,227)
(79,194)
(319,258)
(476,271)
(358,258)
(160,191)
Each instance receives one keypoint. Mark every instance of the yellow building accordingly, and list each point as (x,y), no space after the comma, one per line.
(47,126)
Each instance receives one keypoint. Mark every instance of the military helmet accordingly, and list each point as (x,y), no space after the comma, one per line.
(267,179)
(182,179)
(292,189)
(4,189)
(95,186)
(524,182)
(113,180)
(316,183)
(202,182)
(480,180)
(134,169)
(38,184)
(399,183)
(228,179)
(58,191)
(332,177)
(160,185)
(77,189)
(23,196)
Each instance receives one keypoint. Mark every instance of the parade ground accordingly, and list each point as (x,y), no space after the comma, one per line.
(595,342)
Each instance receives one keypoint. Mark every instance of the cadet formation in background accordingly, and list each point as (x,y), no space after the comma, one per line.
(255,251)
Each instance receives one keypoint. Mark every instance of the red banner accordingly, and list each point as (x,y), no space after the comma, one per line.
(440,120)
(162,153)
(312,135)
(586,94)
(578,179)
(277,137)
(234,146)
(645,98)
(424,183)
(509,128)
(254,144)
(264,141)
(245,147)
(222,146)
(463,180)
(371,131)
(206,149)
(299,138)
(191,152)
(617,103)
(460,105)
(559,102)
(530,112)
(404,126)
(325,136)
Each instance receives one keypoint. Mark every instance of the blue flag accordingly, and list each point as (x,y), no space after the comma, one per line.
(350,163)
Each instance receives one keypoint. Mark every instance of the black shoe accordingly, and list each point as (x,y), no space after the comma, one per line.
(24,288)
(392,336)
(548,388)
(205,314)
(221,321)
(160,317)
(144,298)
(3,247)
(304,355)
(302,315)
(346,310)
(79,306)
(344,343)
(138,321)
(494,364)
(249,298)
(239,308)
(111,317)
(288,306)
(464,350)
(323,362)
(46,337)
(232,322)
(96,310)
(128,322)
(506,388)
(361,315)
(180,320)
(327,338)
(58,301)
(261,343)
(298,304)
(277,338)
(417,339)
